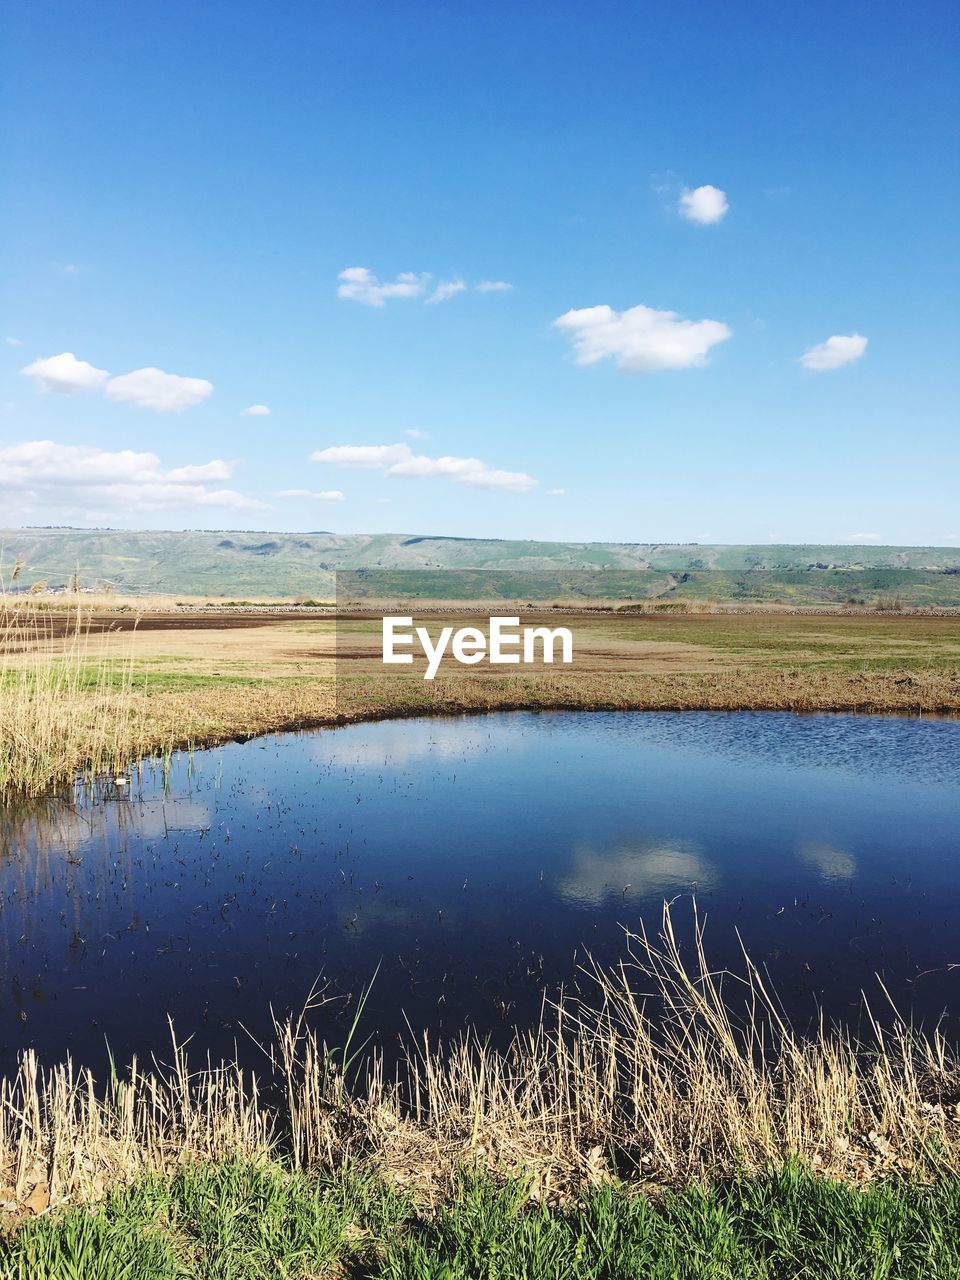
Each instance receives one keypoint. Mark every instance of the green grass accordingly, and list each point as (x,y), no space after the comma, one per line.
(246,1222)
(255,565)
(113,676)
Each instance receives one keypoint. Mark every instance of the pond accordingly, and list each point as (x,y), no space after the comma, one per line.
(477,861)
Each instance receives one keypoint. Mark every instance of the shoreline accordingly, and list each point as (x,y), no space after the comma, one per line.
(654,1080)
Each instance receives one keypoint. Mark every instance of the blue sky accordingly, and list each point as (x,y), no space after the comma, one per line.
(186,183)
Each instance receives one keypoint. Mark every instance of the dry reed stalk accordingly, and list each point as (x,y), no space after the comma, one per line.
(62,711)
(674,1084)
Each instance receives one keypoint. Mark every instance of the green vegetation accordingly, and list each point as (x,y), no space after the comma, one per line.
(294,565)
(248,1221)
(886,590)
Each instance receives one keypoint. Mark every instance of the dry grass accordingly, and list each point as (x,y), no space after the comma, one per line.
(61,710)
(669,1072)
(897,690)
(92,688)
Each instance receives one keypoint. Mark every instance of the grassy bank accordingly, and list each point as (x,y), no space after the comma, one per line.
(98,688)
(259,1221)
(663,1072)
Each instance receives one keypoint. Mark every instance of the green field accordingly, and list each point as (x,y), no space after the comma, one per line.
(288,565)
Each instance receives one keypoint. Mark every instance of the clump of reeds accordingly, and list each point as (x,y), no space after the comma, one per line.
(681,1082)
(62,709)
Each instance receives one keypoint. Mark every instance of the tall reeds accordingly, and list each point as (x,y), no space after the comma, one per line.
(668,1072)
(63,709)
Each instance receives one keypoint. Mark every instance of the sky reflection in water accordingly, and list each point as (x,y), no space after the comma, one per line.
(478,860)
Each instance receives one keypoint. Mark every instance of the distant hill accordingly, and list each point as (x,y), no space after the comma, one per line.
(291,565)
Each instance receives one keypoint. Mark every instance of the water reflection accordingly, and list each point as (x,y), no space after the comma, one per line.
(474,860)
(635,869)
(448,738)
(833,864)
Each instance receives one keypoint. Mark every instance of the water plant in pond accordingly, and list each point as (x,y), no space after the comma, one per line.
(62,708)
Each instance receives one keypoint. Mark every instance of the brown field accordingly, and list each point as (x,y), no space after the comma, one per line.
(113,683)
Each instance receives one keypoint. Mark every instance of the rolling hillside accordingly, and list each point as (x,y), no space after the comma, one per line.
(291,565)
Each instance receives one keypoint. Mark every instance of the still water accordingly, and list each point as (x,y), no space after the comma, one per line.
(477,861)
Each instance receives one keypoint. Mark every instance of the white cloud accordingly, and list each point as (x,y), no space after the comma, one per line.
(446,289)
(416,434)
(324,495)
(705,205)
(154,389)
(556,493)
(863,537)
(13,342)
(65,375)
(78,479)
(640,340)
(473,472)
(149,388)
(218,469)
(369,457)
(256,411)
(835,352)
(400,460)
(360,285)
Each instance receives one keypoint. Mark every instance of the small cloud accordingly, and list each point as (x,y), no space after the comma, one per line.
(364,457)
(640,340)
(359,284)
(705,205)
(150,388)
(13,342)
(834,353)
(218,469)
(154,389)
(256,411)
(400,460)
(65,375)
(42,475)
(863,537)
(556,493)
(416,434)
(446,289)
(382,502)
(324,495)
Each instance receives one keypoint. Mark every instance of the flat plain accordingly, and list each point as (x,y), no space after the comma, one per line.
(164,676)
